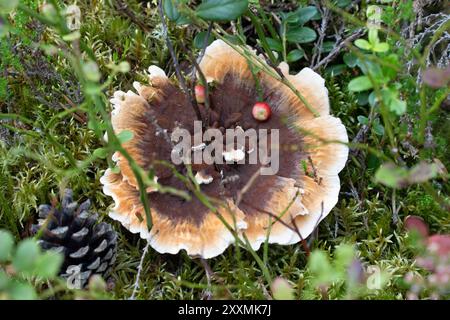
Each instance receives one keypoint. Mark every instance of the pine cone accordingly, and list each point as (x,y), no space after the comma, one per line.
(88,247)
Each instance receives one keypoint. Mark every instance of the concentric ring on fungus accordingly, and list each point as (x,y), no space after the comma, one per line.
(300,199)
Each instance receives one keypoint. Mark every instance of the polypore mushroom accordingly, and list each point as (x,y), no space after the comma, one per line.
(284,207)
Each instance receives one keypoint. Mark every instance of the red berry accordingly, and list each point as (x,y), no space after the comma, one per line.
(200,93)
(261,111)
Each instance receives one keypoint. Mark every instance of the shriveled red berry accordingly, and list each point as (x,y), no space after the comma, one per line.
(261,111)
(200,93)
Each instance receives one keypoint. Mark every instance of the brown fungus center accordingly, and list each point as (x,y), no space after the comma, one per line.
(300,194)
(230,106)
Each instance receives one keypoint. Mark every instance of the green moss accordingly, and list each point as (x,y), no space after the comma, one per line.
(33,169)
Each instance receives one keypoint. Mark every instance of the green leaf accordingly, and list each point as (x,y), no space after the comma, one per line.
(343,256)
(100,153)
(363,120)
(327,46)
(221,10)
(289,17)
(71,36)
(49,11)
(4,29)
(373,162)
(306,14)
(390,98)
(91,71)
(4,280)
(363,44)
(317,16)
(233,39)
(343,3)
(199,40)
(171,10)
(49,49)
(115,170)
(350,59)
(380,47)
(388,94)
(123,67)
(6,6)
(301,35)
(125,136)
(392,176)
(22,291)
(93,88)
(378,127)
(388,71)
(274,44)
(26,255)
(335,70)
(320,267)
(48,265)
(361,83)
(372,99)
(370,67)
(295,55)
(6,245)
(398,106)
(362,98)
(183,20)
(373,36)
(397,177)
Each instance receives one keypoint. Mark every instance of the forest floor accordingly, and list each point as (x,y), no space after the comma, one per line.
(37,84)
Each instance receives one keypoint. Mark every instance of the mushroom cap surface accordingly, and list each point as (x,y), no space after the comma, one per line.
(285,207)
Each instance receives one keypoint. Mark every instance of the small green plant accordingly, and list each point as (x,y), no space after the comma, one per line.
(24,266)
(344,275)
(380,71)
(293,33)
(212,10)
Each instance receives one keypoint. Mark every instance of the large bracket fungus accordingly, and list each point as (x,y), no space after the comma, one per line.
(284,207)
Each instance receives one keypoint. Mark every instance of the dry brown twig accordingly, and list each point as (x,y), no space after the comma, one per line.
(138,276)
(247,187)
(337,49)
(325,13)
(207,294)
